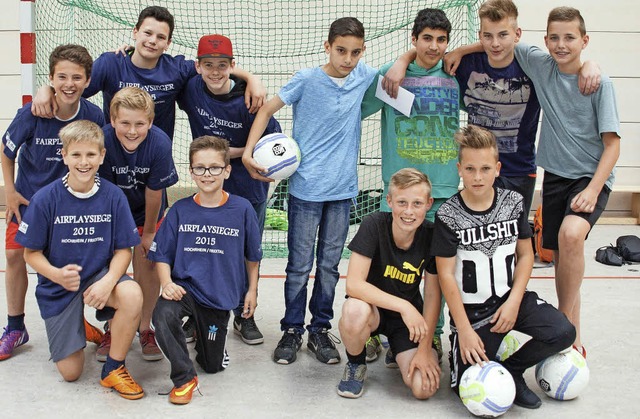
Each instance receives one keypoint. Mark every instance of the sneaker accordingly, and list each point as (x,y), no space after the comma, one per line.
(11,340)
(189,330)
(352,382)
(248,330)
(437,345)
(104,347)
(92,333)
(390,359)
(582,351)
(183,394)
(373,348)
(524,396)
(150,350)
(287,348)
(322,344)
(120,380)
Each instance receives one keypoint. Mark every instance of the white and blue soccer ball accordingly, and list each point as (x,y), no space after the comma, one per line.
(487,390)
(563,376)
(279,154)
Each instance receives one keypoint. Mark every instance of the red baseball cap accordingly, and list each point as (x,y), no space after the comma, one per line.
(215,46)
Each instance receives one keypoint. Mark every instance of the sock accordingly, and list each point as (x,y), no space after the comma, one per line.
(110,365)
(15,322)
(361,358)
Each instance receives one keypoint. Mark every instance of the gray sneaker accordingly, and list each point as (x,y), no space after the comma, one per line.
(373,348)
(352,382)
(248,330)
(288,347)
(390,359)
(322,344)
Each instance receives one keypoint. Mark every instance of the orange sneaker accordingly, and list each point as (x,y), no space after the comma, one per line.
(183,394)
(120,380)
(92,333)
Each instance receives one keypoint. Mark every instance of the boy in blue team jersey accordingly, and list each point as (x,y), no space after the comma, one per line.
(206,248)
(326,124)
(39,163)
(77,234)
(149,68)
(214,104)
(139,161)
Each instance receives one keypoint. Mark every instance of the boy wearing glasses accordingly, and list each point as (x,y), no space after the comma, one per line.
(138,161)
(206,248)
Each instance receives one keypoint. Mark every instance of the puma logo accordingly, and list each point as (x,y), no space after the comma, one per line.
(410,267)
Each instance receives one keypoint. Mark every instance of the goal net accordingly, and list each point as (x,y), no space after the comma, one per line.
(271,38)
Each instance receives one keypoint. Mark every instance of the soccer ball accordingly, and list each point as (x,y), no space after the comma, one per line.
(563,376)
(279,153)
(488,390)
(508,347)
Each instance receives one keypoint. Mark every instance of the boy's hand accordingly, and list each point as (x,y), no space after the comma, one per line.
(585,201)
(44,103)
(452,61)
(255,95)
(254,169)
(145,242)
(173,291)
(123,49)
(69,277)
(97,294)
(415,323)
(471,347)
(505,318)
(426,362)
(13,201)
(393,79)
(250,304)
(589,78)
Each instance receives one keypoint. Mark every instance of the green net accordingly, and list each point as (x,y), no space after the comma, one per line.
(273,39)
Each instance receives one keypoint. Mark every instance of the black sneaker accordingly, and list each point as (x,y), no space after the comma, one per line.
(288,346)
(321,344)
(189,330)
(248,330)
(524,396)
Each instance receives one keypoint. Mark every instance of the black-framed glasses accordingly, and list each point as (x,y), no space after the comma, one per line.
(213,170)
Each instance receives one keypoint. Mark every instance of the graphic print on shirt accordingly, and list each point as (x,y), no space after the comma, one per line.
(396,273)
(498,105)
(485,259)
(427,136)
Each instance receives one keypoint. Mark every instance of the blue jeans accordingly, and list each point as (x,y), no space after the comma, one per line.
(330,220)
(261,211)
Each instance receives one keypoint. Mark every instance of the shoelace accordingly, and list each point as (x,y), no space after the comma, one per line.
(327,339)
(289,340)
(250,324)
(124,375)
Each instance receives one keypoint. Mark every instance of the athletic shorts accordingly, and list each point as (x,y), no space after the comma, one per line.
(397,333)
(557,193)
(65,331)
(10,236)
(141,228)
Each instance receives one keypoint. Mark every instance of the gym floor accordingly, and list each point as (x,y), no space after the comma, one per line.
(254,386)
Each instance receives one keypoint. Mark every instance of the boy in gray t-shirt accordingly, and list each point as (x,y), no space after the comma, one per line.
(578,148)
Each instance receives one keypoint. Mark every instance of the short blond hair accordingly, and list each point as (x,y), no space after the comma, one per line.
(132,98)
(496,10)
(475,138)
(82,131)
(567,14)
(408,177)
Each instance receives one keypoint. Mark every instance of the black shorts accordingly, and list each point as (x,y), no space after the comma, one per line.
(557,193)
(397,333)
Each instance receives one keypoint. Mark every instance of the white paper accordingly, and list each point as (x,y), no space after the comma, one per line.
(402,103)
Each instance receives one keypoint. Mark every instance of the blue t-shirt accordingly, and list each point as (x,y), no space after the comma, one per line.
(226,116)
(207,247)
(112,72)
(68,230)
(39,160)
(150,165)
(327,128)
(504,101)
(572,124)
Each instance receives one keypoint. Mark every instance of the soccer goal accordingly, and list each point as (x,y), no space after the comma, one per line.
(273,39)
